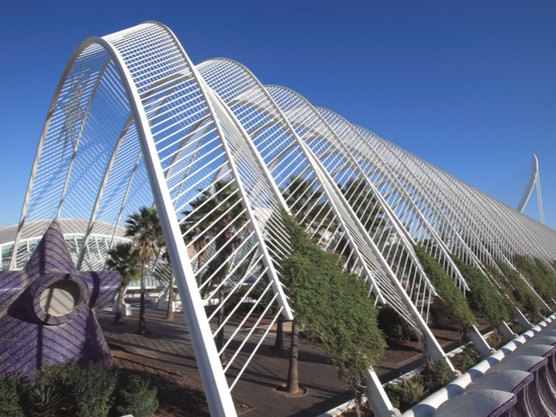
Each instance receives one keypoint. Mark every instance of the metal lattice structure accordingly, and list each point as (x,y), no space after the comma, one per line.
(134,123)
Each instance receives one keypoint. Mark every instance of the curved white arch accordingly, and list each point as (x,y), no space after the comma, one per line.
(139,94)
(132,121)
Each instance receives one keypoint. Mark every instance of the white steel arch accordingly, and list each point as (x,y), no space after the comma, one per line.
(534,181)
(133,123)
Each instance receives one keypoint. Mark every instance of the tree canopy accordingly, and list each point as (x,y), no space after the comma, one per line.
(519,291)
(483,297)
(543,281)
(332,306)
(144,228)
(451,299)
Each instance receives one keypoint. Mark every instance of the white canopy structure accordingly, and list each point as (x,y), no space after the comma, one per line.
(134,123)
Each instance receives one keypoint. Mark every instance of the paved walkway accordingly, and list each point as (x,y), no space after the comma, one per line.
(169,343)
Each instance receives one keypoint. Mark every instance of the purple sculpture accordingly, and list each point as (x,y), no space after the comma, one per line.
(47,310)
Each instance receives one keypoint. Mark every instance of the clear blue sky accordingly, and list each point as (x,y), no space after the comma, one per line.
(469,86)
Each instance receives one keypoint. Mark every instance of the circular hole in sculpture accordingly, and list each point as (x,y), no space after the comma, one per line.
(60,297)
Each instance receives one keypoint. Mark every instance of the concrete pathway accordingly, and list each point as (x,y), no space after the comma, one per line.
(169,343)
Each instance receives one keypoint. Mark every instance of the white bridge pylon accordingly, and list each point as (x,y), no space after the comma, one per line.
(534,182)
(133,122)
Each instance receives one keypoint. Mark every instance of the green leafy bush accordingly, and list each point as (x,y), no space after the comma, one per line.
(451,299)
(436,373)
(92,390)
(545,269)
(60,375)
(483,298)
(12,395)
(65,389)
(466,359)
(395,394)
(137,398)
(389,322)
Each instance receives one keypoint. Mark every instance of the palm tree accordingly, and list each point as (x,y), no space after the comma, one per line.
(217,214)
(363,203)
(145,230)
(303,200)
(163,272)
(170,308)
(122,259)
(195,229)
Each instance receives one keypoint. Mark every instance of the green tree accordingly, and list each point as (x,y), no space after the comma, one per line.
(216,216)
(519,290)
(162,271)
(122,259)
(304,199)
(543,281)
(451,301)
(548,275)
(333,308)
(168,274)
(364,204)
(483,297)
(145,230)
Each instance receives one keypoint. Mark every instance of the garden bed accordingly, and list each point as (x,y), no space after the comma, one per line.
(178,395)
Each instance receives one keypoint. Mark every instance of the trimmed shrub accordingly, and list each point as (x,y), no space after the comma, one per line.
(451,299)
(138,398)
(516,327)
(483,298)
(545,269)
